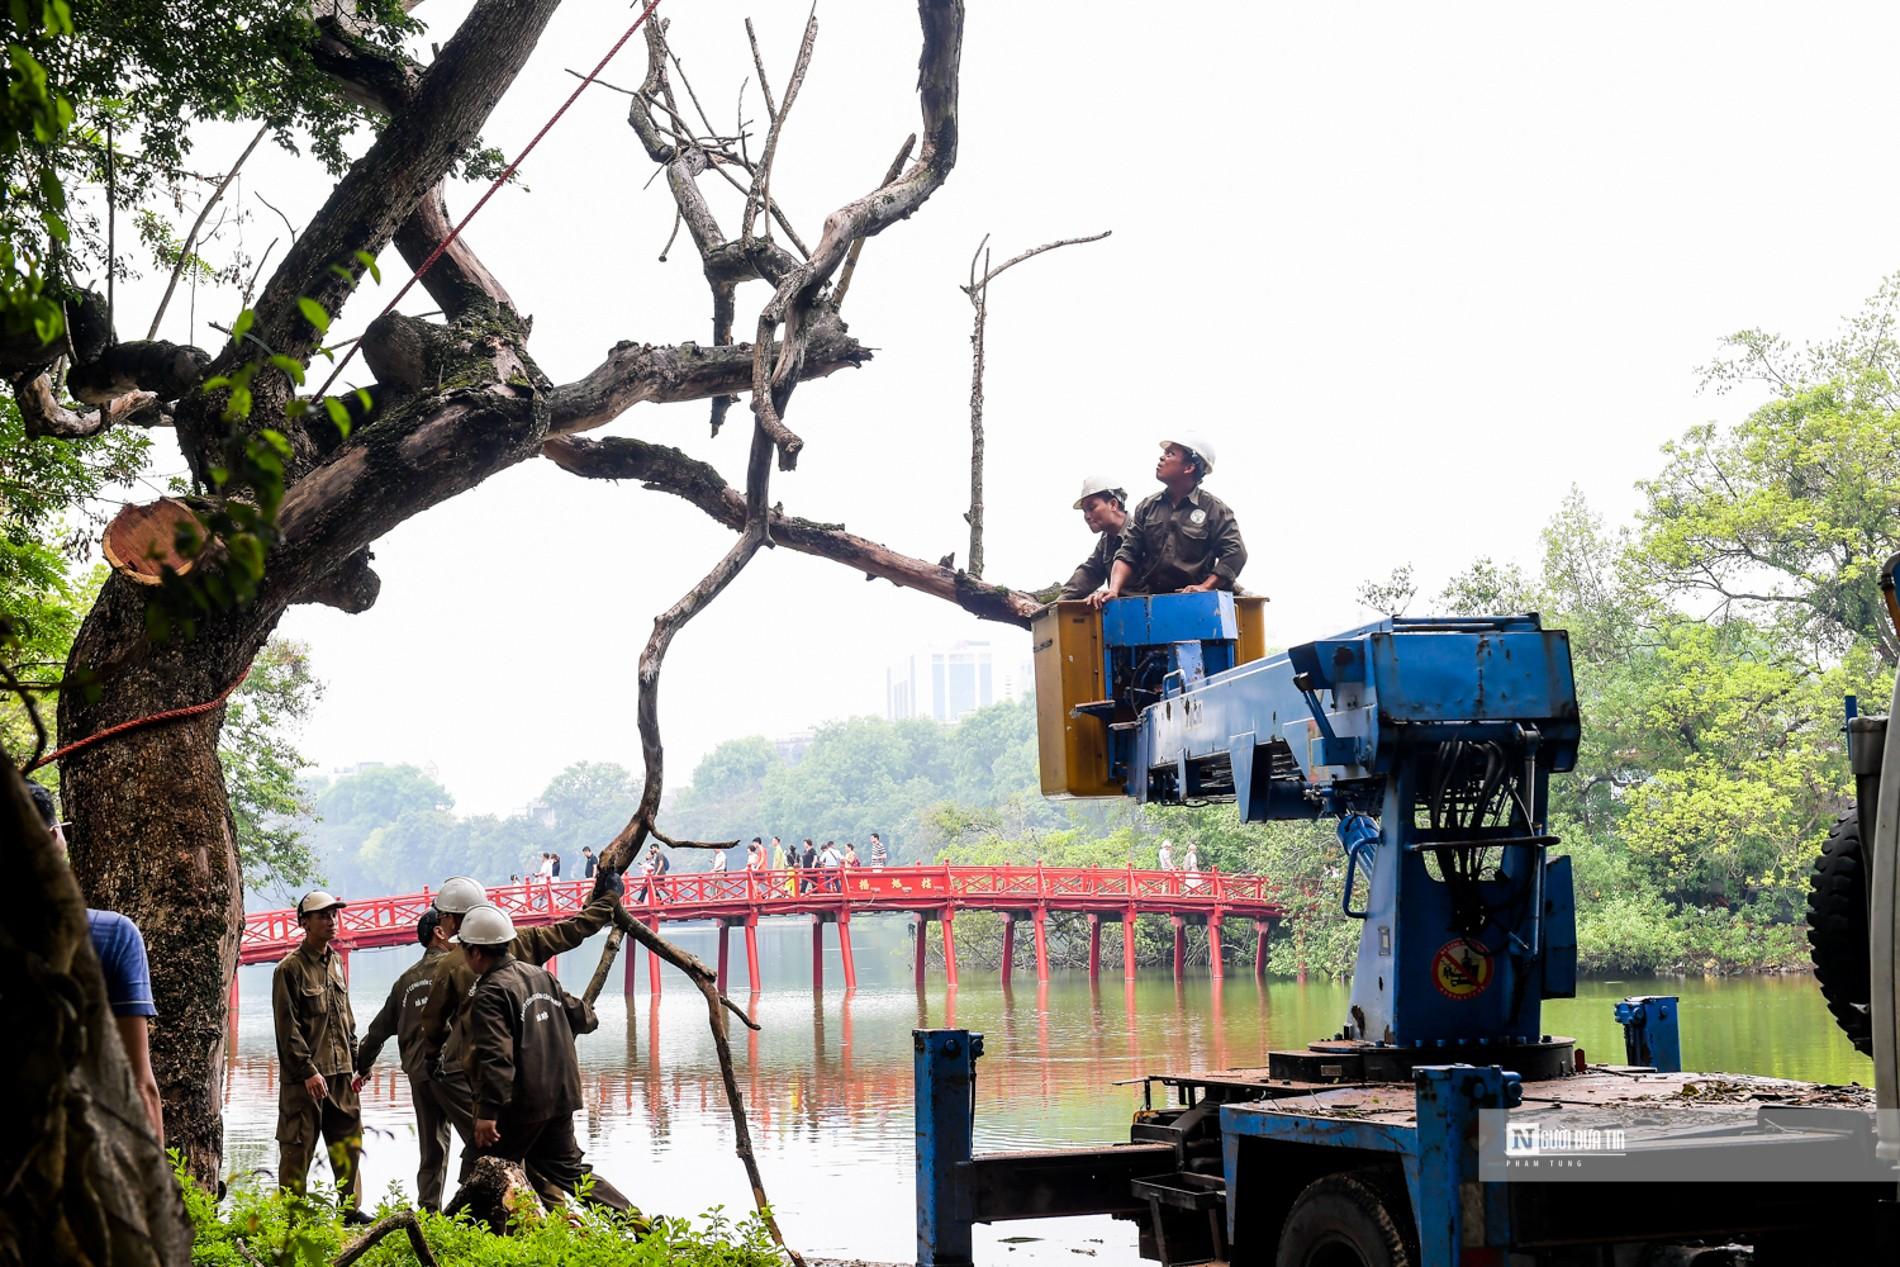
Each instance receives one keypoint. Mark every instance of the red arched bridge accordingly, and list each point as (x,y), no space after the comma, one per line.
(833,896)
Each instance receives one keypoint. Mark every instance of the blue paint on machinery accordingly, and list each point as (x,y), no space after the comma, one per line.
(1430,744)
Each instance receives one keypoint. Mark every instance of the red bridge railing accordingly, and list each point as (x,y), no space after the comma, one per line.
(833,895)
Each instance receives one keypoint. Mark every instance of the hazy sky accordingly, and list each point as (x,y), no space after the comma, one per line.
(1416,270)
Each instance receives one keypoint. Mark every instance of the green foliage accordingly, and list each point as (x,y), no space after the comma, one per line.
(262,767)
(265,1225)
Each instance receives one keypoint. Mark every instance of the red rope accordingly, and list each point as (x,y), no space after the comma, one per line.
(170,714)
(499,181)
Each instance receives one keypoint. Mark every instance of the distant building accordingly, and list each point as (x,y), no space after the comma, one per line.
(946,683)
(792,748)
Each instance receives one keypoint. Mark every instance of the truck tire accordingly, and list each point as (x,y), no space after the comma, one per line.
(1358,1218)
(1837,931)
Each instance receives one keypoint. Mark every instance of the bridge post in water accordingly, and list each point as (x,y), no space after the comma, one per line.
(629,956)
(1128,944)
(923,932)
(1261,927)
(844,949)
(817,953)
(752,950)
(653,961)
(948,918)
(720,972)
(1040,917)
(1009,944)
(1213,945)
(1095,947)
(1180,946)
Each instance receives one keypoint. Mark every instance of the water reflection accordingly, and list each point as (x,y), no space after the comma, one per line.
(828,1080)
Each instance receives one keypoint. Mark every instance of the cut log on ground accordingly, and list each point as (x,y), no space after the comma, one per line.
(496,1192)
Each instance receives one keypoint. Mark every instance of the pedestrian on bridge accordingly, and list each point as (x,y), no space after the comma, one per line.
(1164,859)
(880,856)
(588,862)
(526,1074)
(782,864)
(851,858)
(755,855)
(719,860)
(808,863)
(830,860)
(316,1047)
(401,1017)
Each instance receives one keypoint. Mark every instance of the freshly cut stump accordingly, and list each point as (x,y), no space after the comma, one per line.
(495,1193)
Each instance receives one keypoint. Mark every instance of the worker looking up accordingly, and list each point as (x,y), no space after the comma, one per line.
(316,1044)
(1182,539)
(1104,509)
(522,1063)
(401,1017)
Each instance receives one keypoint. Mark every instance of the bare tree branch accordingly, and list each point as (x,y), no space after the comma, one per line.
(762,176)
(402,1220)
(191,238)
(638,372)
(791,303)
(664,469)
(839,291)
(978,292)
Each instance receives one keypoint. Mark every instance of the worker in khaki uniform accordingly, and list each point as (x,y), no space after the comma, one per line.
(401,1018)
(445,1016)
(316,1040)
(1181,540)
(1104,509)
(526,1075)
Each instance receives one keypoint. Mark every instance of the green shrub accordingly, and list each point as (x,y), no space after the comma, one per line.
(287,1231)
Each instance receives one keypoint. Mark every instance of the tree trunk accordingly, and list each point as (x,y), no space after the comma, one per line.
(151,837)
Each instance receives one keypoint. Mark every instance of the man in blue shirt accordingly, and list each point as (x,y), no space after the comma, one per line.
(120,947)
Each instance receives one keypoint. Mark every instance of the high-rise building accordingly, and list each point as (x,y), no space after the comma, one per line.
(946,682)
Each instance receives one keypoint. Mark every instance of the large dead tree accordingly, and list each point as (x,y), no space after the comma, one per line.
(455,402)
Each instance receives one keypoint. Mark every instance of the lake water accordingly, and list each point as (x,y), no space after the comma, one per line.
(828,1081)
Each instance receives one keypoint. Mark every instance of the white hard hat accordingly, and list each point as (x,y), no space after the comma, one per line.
(1095,485)
(1197,442)
(459,895)
(486,926)
(317,900)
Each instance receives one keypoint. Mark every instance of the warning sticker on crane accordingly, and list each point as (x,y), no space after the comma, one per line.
(1462,969)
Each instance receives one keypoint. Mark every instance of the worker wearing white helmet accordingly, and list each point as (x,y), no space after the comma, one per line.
(1104,507)
(1182,539)
(445,1017)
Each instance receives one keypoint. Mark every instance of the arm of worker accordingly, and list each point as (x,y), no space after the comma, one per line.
(1230,555)
(381,1030)
(135,1037)
(438,1014)
(293,1051)
(492,1039)
(580,1014)
(538,945)
(1093,572)
(1117,577)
